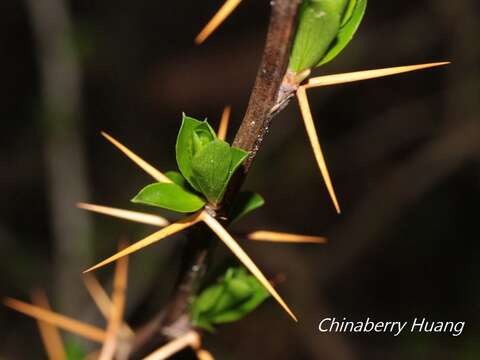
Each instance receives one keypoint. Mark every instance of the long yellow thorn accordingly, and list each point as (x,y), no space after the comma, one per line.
(227,8)
(149,169)
(134,216)
(315,143)
(98,294)
(223,234)
(51,337)
(223,128)
(153,238)
(101,299)
(203,354)
(275,236)
(367,74)
(191,339)
(115,320)
(64,322)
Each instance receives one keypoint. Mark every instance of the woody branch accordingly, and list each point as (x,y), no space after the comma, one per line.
(253,129)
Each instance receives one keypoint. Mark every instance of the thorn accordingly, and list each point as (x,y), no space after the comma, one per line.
(315,143)
(275,236)
(223,234)
(115,319)
(64,322)
(98,294)
(149,169)
(153,238)
(51,337)
(134,216)
(191,339)
(101,299)
(223,128)
(203,354)
(367,74)
(223,13)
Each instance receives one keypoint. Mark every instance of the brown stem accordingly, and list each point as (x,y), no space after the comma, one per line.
(267,98)
(267,88)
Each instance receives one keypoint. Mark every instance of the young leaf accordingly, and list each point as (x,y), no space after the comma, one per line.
(234,296)
(258,296)
(169,196)
(347,31)
(238,156)
(202,135)
(211,168)
(318,26)
(192,135)
(348,12)
(74,350)
(177,178)
(239,288)
(207,299)
(206,162)
(245,202)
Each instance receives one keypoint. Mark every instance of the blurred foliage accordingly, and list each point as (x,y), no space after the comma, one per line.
(231,298)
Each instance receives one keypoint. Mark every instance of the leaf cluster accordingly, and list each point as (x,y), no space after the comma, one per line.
(206,166)
(234,296)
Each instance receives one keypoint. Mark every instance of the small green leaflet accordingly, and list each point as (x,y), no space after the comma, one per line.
(74,350)
(318,25)
(206,162)
(177,178)
(245,202)
(325,28)
(235,295)
(348,12)
(238,156)
(169,196)
(210,168)
(202,135)
(188,142)
(345,35)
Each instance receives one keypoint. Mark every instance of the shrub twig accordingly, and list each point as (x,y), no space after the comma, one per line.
(253,129)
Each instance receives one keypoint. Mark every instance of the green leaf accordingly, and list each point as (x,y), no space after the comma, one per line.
(347,31)
(230,299)
(177,178)
(245,202)
(211,169)
(348,12)
(206,162)
(193,135)
(243,309)
(238,157)
(202,135)
(74,350)
(169,196)
(239,288)
(207,299)
(318,26)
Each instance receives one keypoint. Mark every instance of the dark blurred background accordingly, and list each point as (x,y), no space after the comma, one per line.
(403,152)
